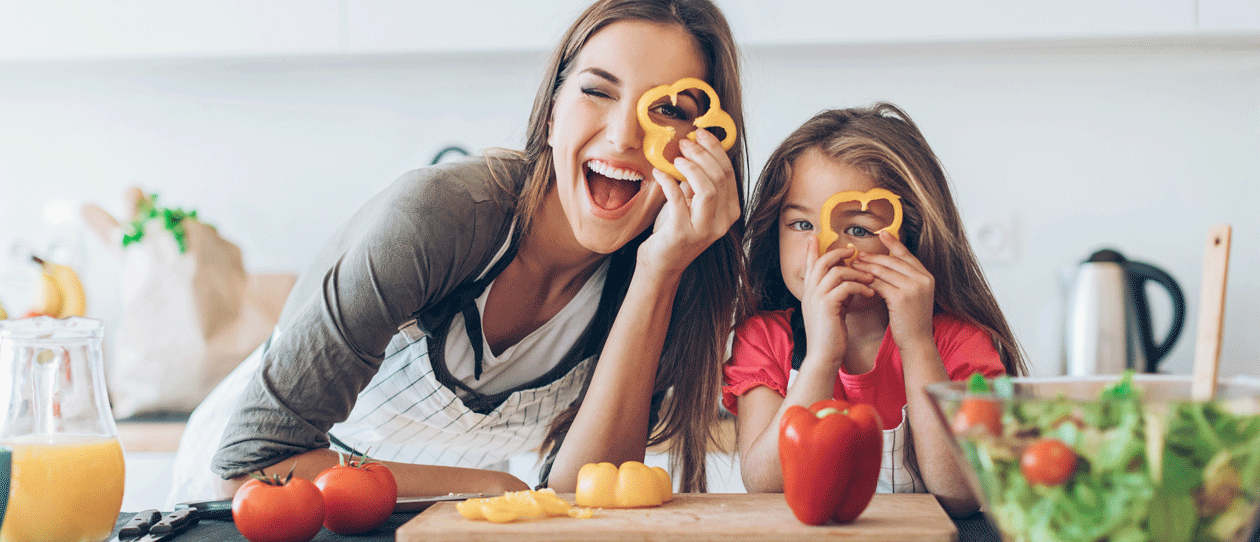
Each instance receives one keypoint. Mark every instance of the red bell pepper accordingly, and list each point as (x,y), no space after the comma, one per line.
(830,454)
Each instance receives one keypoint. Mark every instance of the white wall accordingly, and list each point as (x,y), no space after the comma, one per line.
(1065,145)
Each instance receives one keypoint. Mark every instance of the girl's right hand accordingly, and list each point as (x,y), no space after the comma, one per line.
(829,285)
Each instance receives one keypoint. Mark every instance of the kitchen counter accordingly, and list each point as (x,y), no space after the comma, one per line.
(971,529)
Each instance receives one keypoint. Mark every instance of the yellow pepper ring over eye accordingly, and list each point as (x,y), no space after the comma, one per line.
(828,235)
(656,137)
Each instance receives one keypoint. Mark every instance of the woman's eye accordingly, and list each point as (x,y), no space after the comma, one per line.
(592,91)
(858,231)
(672,111)
(801,225)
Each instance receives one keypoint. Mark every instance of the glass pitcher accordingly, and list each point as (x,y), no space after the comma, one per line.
(67,464)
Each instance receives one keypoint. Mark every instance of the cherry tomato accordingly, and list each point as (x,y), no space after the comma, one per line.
(276,510)
(359,495)
(983,413)
(1048,462)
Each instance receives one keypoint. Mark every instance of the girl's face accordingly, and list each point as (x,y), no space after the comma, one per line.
(815,177)
(603,179)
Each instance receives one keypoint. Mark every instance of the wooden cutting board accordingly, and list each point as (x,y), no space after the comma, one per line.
(697,517)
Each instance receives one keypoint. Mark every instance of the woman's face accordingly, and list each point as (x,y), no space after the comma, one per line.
(603,180)
(815,177)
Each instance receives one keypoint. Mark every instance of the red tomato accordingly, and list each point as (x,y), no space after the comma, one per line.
(982,413)
(358,496)
(292,511)
(1048,462)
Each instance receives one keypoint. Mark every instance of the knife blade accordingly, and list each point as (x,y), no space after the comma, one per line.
(222,509)
(417,504)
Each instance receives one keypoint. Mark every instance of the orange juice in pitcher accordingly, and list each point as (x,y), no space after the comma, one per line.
(66,480)
(63,489)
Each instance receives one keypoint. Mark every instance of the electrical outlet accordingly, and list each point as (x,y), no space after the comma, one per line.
(995,239)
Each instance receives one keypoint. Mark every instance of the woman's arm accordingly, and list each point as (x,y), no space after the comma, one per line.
(401,252)
(413,480)
(613,420)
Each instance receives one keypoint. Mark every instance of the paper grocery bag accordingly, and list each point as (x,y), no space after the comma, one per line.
(188,317)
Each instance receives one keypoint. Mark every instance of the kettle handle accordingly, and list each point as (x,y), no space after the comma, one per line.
(1139,273)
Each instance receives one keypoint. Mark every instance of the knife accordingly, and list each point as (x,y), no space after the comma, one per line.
(138,524)
(222,509)
(170,525)
(152,526)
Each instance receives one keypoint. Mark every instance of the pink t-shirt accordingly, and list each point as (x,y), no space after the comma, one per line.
(762,356)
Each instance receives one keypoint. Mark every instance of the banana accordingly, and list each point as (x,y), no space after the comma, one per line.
(49,301)
(63,294)
(3,315)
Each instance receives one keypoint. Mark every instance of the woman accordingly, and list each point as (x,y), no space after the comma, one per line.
(477,310)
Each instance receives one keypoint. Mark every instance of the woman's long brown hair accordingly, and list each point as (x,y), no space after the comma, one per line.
(884,142)
(689,375)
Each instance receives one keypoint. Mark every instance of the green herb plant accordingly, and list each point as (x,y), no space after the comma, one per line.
(172,219)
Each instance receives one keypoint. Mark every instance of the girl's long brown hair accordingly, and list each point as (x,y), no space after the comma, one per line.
(884,142)
(688,378)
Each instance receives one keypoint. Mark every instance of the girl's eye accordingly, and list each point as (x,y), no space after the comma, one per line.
(800,225)
(858,231)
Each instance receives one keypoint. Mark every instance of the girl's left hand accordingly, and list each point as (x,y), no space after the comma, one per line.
(697,212)
(907,288)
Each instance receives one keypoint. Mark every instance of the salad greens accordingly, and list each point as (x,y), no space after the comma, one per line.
(172,219)
(1166,472)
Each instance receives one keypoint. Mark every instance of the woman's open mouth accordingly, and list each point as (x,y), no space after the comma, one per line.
(611,188)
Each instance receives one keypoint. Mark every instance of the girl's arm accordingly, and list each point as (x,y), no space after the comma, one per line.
(413,480)
(612,423)
(828,286)
(908,290)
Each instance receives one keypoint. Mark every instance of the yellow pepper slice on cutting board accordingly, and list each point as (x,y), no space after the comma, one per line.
(657,137)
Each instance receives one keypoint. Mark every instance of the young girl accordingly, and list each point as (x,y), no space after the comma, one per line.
(902,314)
(482,309)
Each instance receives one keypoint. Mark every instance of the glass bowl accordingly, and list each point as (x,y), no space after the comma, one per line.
(1114,458)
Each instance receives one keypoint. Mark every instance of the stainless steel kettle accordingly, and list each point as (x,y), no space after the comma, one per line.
(1108,326)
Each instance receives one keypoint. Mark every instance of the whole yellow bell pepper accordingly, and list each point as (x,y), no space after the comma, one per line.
(633,485)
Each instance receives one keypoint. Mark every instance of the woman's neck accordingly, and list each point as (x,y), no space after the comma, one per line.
(550,250)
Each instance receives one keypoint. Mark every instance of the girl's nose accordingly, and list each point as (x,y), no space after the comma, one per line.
(623,129)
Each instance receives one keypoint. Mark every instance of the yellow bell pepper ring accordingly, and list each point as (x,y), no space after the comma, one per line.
(657,137)
(632,485)
(828,235)
(514,505)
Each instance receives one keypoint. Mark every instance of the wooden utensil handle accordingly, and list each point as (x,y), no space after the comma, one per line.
(1207,350)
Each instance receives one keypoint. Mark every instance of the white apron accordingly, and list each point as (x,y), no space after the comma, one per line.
(406,415)
(403,415)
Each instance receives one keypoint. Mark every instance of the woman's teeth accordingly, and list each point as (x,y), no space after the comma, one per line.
(607,170)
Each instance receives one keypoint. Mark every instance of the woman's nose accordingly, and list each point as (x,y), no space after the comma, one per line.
(623,129)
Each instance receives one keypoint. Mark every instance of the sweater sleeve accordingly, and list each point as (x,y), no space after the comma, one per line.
(403,250)
(760,356)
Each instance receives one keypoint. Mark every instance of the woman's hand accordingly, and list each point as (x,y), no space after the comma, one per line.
(698,211)
(829,285)
(907,288)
